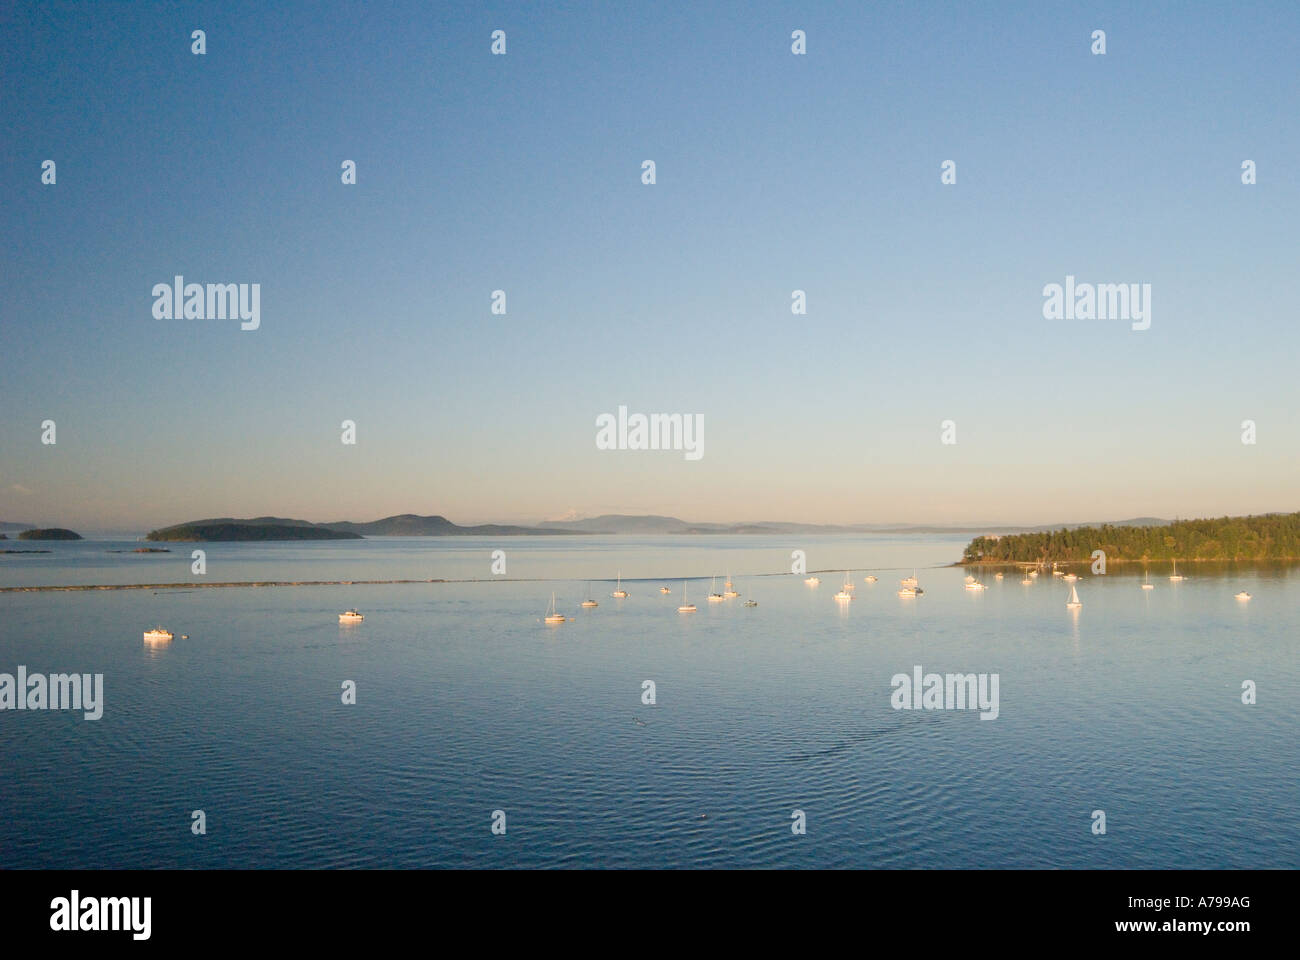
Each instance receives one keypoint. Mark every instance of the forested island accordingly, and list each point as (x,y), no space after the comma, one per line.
(1273,536)
(257,529)
(51,533)
(282,528)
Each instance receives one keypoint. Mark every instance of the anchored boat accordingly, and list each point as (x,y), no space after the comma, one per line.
(685,607)
(553,615)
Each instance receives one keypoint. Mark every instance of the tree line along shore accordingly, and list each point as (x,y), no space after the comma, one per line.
(1255,538)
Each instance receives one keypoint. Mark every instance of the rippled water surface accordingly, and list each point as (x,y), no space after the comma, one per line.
(467,703)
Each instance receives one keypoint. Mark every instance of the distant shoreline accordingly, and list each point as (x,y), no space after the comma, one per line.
(79,587)
(211,586)
(74,587)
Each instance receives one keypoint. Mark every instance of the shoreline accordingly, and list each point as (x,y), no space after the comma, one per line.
(1087,562)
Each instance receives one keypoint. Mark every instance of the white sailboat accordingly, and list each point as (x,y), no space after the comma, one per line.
(553,615)
(909,581)
(714,596)
(728,590)
(1243,595)
(1147,584)
(619,593)
(685,607)
(589,602)
(1174,577)
(1074,603)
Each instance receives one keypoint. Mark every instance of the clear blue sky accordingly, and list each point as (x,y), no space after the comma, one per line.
(775,172)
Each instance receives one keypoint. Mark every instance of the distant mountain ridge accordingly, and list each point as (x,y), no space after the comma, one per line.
(414,525)
(613,523)
(436,525)
(217,529)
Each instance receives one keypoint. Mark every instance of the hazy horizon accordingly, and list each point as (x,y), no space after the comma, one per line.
(775,172)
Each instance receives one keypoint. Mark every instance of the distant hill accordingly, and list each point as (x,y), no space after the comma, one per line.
(412,525)
(50,533)
(617,523)
(1274,536)
(1135,522)
(254,521)
(260,528)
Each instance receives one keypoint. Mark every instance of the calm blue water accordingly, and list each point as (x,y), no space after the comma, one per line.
(468,703)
